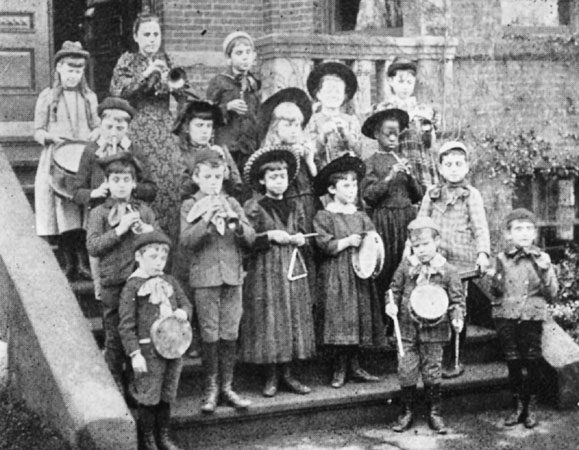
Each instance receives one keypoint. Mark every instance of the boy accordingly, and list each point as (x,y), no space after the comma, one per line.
(89,188)
(236,91)
(112,230)
(66,111)
(333,132)
(194,126)
(214,231)
(401,79)
(423,342)
(148,295)
(524,281)
(457,208)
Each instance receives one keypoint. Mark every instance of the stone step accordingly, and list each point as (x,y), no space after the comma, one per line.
(483,386)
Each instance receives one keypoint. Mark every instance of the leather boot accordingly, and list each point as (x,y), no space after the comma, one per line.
(360,374)
(270,388)
(163,423)
(147,428)
(435,421)
(339,377)
(211,369)
(83,268)
(291,383)
(68,254)
(530,412)
(516,416)
(227,364)
(406,416)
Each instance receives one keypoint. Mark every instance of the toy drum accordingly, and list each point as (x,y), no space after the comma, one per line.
(65,161)
(428,304)
(368,258)
(171,336)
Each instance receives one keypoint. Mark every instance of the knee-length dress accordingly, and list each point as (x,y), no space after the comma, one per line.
(392,209)
(150,130)
(277,324)
(74,114)
(350,308)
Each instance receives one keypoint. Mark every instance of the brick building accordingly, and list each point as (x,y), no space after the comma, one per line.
(492,67)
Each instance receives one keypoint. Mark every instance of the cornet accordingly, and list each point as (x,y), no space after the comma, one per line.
(177,79)
(139,226)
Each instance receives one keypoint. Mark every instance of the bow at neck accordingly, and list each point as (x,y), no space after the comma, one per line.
(517,253)
(450,192)
(423,272)
(158,290)
(106,149)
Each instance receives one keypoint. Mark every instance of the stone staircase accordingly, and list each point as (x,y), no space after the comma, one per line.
(483,384)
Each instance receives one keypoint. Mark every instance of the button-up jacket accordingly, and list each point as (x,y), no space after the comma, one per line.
(523,283)
(214,259)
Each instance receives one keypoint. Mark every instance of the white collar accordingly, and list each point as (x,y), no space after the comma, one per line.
(335,207)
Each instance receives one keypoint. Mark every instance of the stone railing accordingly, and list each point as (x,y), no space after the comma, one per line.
(286,60)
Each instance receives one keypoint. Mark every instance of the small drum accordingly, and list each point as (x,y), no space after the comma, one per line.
(428,304)
(368,258)
(65,161)
(171,336)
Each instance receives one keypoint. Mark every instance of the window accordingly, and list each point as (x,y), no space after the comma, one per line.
(553,202)
(375,16)
(536,13)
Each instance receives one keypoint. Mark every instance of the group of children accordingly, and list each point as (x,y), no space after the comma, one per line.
(272,281)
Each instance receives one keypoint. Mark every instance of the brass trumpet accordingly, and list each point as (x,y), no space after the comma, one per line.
(177,80)
(137,227)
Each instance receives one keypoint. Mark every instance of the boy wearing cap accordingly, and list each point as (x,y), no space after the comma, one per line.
(332,131)
(112,229)
(423,341)
(458,210)
(89,188)
(65,111)
(351,313)
(523,283)
(149,295)
(236,91)
(214,234)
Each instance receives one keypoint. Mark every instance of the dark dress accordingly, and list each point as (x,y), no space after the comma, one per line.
(391,203)
(150,131)
(277,323)
(350,308)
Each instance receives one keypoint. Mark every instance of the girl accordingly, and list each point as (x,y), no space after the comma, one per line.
(277,324)
(350,307)
(390,188)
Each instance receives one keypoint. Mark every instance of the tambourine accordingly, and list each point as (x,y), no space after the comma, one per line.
(368,258)
(428,304)
(171,337)
(65,163)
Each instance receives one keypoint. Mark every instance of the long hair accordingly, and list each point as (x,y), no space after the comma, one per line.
(283,111)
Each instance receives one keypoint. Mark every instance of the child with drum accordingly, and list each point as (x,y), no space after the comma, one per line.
(351,312)
(153,310)
(277,326)
(523,282)
(425,298)
(458,210)
(65,115)
(332,131)
(390,188)
(89,187)
(214,235)
(112,229)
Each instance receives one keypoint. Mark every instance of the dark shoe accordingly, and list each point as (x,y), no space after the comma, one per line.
(517,415)
(359,374)
(148,441)
(270,388)
(339,377)
(211,367)
(83,269)
(453,371)
(163,423)
(291,383)
(530,412)
(227,364)
(406,416)
(435,421)
(68,262)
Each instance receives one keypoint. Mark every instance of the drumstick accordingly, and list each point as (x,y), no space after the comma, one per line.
(397,329)
(456,350)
